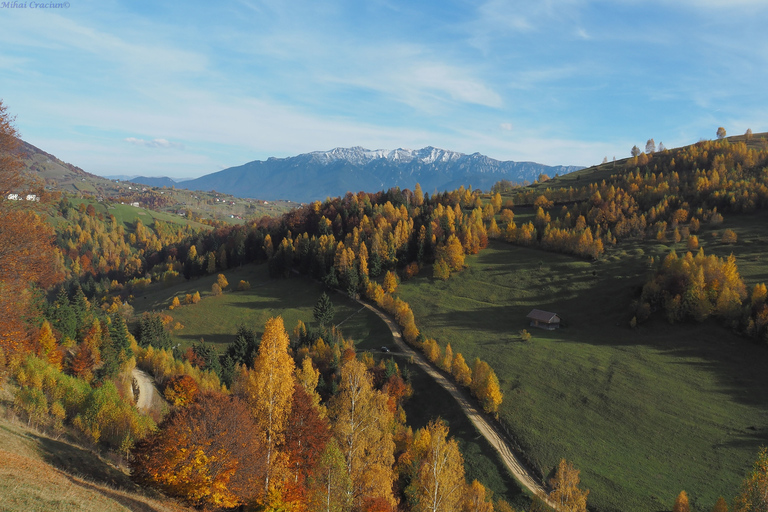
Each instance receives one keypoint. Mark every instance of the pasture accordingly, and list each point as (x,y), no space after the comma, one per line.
(642,413)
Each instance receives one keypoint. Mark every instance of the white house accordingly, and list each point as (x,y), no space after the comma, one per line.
(13,197)
(32,197)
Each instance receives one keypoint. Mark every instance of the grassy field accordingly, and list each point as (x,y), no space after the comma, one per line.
(216,319)
(643,413)
(41,474)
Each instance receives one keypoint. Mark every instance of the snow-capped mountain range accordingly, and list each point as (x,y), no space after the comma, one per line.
(320,174)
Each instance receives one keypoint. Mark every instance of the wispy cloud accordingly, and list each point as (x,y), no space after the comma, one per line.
(155,143)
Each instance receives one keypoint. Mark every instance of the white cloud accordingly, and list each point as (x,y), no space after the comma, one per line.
(155,143)
(506,126)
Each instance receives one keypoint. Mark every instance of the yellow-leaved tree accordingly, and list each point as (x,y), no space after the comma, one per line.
(565,489)
(754,490)
(362,424)
(485,386)
(268,390)
(438,470)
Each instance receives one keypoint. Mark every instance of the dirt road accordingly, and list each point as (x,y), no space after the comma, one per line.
(148,394)
(486,429)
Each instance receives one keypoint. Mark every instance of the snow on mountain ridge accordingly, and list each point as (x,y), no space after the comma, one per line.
(362,156)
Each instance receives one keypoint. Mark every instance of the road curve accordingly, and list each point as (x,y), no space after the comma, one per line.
(148,393)
(486,429)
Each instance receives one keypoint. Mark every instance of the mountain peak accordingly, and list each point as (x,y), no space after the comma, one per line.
(361,156)
(321,174)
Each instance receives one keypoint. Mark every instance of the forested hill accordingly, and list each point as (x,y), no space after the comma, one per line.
(321,174)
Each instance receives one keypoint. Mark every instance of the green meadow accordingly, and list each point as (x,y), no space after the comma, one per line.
(644,413)
(216,318)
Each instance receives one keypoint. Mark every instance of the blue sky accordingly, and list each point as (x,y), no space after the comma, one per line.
(183,89)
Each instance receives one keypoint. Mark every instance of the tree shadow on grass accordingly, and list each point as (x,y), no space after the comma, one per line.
(79,461)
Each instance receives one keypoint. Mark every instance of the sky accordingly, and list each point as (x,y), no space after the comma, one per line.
(183,89)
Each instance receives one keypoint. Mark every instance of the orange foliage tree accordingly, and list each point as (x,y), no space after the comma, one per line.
(207,454)
(26,247)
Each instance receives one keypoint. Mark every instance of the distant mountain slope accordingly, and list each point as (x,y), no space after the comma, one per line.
(321,174)
(44,165)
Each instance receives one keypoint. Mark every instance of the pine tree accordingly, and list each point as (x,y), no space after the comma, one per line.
(324,311)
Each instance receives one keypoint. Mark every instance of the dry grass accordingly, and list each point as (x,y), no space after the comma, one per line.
(38,473)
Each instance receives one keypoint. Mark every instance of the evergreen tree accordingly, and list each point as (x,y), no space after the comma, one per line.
(324,311)
(243,350)
(151,331)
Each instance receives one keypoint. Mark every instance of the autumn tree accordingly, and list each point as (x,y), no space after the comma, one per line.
(729,237)
(721,133)
(207,454)
(485,386)
(461,371)
(362,424)
(48,346)
(475,499)
(329,485)
(438,481)
(305,441)
(650,146)
(753,496)
(447,361)
(720,505)
(565,489)
(180,390)
(221,280)
(26,248)
(390,282)
(635,151)
(681,503)
(268,390)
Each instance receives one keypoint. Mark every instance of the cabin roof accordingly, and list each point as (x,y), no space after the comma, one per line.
(543,316)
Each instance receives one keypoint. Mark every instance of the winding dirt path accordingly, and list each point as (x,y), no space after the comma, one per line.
(148,394)
(486,428)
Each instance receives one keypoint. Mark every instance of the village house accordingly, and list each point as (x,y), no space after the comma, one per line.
(544,319)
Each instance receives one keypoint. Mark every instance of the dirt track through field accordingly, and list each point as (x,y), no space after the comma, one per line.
(486,429)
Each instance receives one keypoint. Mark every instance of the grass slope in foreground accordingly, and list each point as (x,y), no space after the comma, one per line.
(38,473)
(642,413)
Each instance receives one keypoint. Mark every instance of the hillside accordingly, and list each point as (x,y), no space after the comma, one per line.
(321,174)
(40,473)
(157,194)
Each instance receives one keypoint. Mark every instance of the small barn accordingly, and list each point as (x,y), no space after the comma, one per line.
(544,319)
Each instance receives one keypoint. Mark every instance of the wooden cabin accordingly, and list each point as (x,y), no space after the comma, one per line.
(544,319)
